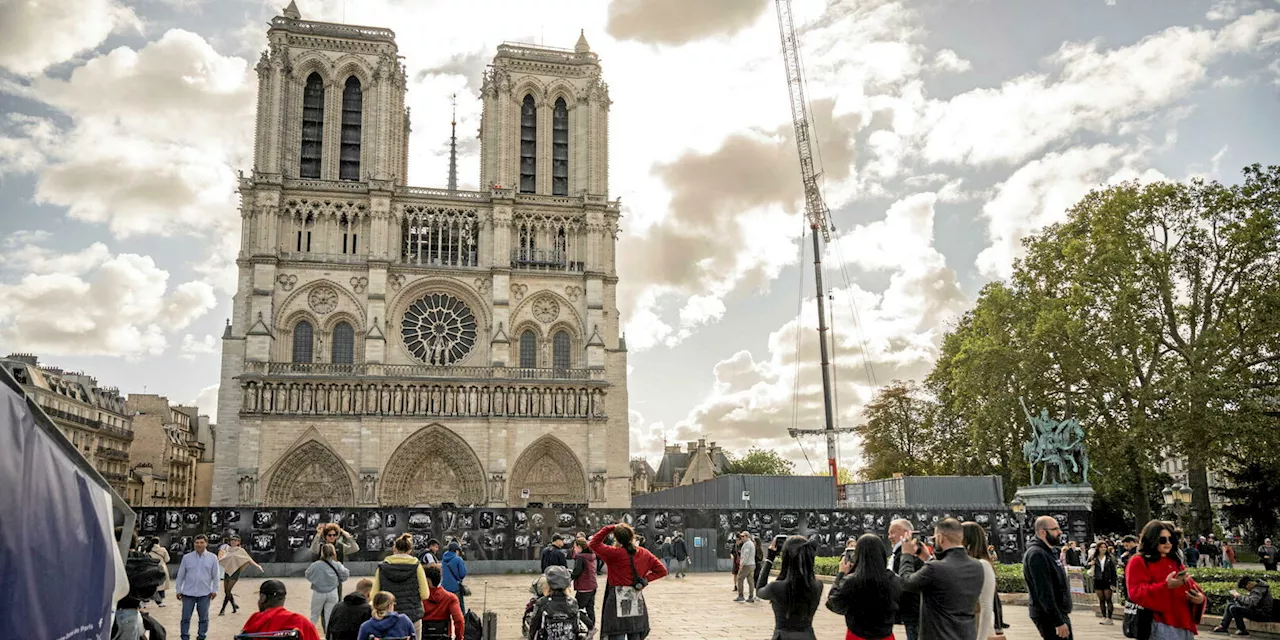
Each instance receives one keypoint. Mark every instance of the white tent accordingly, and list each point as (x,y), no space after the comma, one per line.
(63,570)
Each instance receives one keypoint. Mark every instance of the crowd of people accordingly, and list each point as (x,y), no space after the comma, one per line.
(939,588)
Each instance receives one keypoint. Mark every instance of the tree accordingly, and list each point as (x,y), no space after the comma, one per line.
(898,435)
(759,462)
(845,476)
(1253,494)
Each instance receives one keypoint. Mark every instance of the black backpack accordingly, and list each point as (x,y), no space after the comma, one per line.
(561,624)
(145,575)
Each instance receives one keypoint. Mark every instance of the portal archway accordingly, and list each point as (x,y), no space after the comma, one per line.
(433,466)
(311,475)
(550,471)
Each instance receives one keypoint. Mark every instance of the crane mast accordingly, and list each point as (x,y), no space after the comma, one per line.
(815,209)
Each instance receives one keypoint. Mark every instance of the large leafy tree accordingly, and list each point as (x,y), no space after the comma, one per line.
(759,462)
(900,435)
(1151,315)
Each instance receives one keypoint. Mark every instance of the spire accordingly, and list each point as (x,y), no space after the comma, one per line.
(582,46)
(453,147)
(291,11)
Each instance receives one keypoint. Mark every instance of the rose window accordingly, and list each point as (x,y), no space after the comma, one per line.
(439,329)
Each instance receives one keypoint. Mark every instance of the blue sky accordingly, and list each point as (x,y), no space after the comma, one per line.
(950,130)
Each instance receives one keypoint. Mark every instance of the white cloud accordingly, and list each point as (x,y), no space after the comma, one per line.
(1092,90)
(207,401)
(752,401)
(37,34)
(94,303)
(948,60)
(193,346)
(1040,193)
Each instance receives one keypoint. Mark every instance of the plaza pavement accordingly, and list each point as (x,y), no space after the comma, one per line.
(699,607)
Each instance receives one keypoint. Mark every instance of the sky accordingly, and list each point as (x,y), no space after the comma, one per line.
(948,131)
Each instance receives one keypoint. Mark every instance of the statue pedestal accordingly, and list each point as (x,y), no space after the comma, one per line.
(1067,497)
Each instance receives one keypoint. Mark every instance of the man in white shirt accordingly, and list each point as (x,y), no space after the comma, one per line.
(197,584)
(747,568)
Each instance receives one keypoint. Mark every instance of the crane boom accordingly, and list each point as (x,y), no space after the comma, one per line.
(815,209)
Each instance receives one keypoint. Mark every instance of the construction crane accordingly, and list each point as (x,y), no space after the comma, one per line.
(815,209)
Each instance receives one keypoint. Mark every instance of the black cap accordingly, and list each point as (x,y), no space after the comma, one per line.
(272,588)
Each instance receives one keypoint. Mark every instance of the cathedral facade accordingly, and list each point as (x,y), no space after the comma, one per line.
(396,345)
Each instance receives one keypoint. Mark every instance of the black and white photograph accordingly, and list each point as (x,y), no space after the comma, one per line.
(419,520)
(264,519)
(263,543)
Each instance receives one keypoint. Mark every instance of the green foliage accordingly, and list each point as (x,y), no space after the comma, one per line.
(759,462)
(845,475)
(900,434)
(1254,494)
(1152,315)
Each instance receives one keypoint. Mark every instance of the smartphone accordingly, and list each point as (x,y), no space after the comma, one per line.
(778,540)
(848,556)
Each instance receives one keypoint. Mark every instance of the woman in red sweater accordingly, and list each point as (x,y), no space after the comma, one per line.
(631,568)
(1157,580)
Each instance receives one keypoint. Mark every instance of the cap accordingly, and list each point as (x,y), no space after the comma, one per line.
(233,537)
(455,547)
(558,577)
(272,588)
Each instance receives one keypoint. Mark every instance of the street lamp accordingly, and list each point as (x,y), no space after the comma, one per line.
(1177,498)
(1019,509)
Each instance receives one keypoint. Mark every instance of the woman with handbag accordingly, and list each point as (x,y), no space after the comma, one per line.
(453,570)
(975,544)
(1104,580)
(326,576)
(161,555)
(1159,582)
(624,615)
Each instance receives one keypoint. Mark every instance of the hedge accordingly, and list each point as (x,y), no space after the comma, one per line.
(1217,583)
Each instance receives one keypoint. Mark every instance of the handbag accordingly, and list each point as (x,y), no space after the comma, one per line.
(462,586)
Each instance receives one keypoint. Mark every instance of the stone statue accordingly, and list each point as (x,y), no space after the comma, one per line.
(368,488)
(246,490)
(597,487)
(1055,445)
(497,486)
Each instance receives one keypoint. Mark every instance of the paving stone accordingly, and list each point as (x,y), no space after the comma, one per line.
(700,607)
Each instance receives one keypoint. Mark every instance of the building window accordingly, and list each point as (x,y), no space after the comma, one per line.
(528,349)
(344,344)
(441,237)
(528,145)
(352,100)
(560,350)
(560,149)
(349,235)
(303,342)
(312,126)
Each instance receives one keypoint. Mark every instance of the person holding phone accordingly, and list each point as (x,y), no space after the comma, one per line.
(866,592)
(796,593)
(1158,581)
(1255,603)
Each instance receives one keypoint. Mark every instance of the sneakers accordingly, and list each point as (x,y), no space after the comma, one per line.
(751,599)
(739,599)
(1242,633)
(1219,629)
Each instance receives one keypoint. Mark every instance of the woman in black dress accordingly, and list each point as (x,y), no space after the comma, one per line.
(1104,579)
(796,593)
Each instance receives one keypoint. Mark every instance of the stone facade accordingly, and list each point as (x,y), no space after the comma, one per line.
(398,345)
(93,418)
(166,451)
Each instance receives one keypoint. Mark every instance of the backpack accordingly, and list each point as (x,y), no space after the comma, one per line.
(473,628)
(145,575)
(562,624)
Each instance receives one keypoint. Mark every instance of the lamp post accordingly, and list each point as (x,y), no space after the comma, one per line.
(1019,509)
(1177,499)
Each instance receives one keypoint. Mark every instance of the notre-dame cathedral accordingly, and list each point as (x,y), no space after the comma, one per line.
(398,345)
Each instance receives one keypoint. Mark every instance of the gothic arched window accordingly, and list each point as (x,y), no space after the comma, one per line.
(560,358)
(344,344)
(303,342)
(528,349)
(528,145)
(560,149)
(352,111)
(312,126)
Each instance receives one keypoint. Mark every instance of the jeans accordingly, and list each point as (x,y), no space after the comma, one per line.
(201,605)
(159,597)
(322,605)
(1240,613)
(1050,632)
(587,603)
(128,625)
(683,564)
(913,630)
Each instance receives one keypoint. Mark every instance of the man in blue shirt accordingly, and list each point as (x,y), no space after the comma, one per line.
(197,584)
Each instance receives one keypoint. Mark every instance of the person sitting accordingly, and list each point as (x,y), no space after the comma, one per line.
(272,616)
(386,621)
(556,615)
(351,612)
(442,615)
(1255,604)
